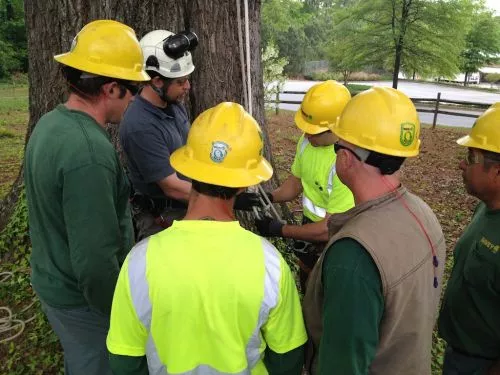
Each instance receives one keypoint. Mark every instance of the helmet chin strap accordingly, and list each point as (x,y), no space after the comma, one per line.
(161,91)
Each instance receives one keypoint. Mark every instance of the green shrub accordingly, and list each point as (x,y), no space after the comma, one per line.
(356,89)
(325,76)
(492,77)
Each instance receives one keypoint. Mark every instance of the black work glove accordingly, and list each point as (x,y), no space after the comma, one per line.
(269,227)
(245,201)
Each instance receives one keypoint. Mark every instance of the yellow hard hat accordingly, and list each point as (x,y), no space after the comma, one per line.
(485,133)
(106,48)
(381,119)
(224,148)
(321,106)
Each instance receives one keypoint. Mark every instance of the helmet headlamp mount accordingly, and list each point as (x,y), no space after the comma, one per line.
(175,46)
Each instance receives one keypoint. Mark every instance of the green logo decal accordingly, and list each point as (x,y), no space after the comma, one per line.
(407,134)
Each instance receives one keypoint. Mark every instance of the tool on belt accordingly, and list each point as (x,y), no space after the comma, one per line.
(159,208)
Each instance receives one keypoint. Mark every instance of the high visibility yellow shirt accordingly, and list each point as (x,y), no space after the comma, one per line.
(323,192)
(205,297)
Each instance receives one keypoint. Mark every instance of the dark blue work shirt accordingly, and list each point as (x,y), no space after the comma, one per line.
(148,135)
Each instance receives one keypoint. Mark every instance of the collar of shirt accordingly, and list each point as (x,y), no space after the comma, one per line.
(151,108)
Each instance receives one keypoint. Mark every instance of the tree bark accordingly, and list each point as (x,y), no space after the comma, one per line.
(52,24)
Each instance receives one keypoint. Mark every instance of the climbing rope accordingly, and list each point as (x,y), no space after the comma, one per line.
(267,206)
(11,322)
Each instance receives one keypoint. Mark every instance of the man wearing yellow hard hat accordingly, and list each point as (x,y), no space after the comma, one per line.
(469,314)
(313,175)
(371,300)
(206,296)
(77,193)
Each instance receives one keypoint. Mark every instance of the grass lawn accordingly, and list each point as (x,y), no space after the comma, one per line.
(13,121)
(433,175)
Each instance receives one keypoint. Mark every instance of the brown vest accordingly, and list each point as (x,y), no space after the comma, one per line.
(402,253)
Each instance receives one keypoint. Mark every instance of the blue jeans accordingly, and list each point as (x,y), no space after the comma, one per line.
(460,364)
(82,333)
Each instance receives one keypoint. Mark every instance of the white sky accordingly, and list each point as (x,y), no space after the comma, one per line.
(495,5)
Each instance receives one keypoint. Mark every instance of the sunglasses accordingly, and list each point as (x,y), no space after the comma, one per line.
(337,147)
(133,88)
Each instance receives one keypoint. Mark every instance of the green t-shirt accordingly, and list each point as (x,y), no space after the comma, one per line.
(469,319)
(323,192)
(352,310)
(288,363)
(79,216)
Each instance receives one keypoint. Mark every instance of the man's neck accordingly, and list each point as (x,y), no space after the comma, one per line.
(91,108)
(370,190)
(203,207)
(151,96)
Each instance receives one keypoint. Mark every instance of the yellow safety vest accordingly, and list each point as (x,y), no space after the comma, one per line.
(205,297)
(323,192)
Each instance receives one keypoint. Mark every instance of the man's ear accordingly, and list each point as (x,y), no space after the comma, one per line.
(346,160)
(157,81)
(111,89)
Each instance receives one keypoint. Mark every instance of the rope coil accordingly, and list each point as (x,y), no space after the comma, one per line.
(11,322)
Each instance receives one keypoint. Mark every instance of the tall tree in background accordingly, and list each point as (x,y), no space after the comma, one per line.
(52,24)
(13,54)
(283,24)
(482,43)
(408,33)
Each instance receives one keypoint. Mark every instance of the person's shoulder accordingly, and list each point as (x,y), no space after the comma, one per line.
(346,250)
(177,110)
(137,114)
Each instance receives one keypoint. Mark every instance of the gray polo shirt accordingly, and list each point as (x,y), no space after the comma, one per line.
(148,135)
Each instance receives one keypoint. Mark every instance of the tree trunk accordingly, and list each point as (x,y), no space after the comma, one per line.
(466,75)
(346,74)
(52,24)
(397,63)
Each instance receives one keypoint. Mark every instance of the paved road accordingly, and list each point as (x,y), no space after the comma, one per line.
(414,90)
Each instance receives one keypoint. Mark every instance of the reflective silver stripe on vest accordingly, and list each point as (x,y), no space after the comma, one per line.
(303,145)
(306,201)
(139,291)
(270,300)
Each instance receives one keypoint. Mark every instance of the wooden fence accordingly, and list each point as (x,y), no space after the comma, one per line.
(435,103)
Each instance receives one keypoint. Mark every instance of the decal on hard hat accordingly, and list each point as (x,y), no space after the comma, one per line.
(219,151)
(407,134)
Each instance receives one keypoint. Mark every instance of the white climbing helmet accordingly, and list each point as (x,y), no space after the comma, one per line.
(155,58)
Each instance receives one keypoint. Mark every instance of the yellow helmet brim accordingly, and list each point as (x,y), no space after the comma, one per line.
(104,70)
(307,127)
(220,175)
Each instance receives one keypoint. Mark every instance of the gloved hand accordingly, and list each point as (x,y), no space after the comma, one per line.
(269,227)
(245,201)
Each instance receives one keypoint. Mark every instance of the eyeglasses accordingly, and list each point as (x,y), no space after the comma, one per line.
(134,89)
(337,147)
